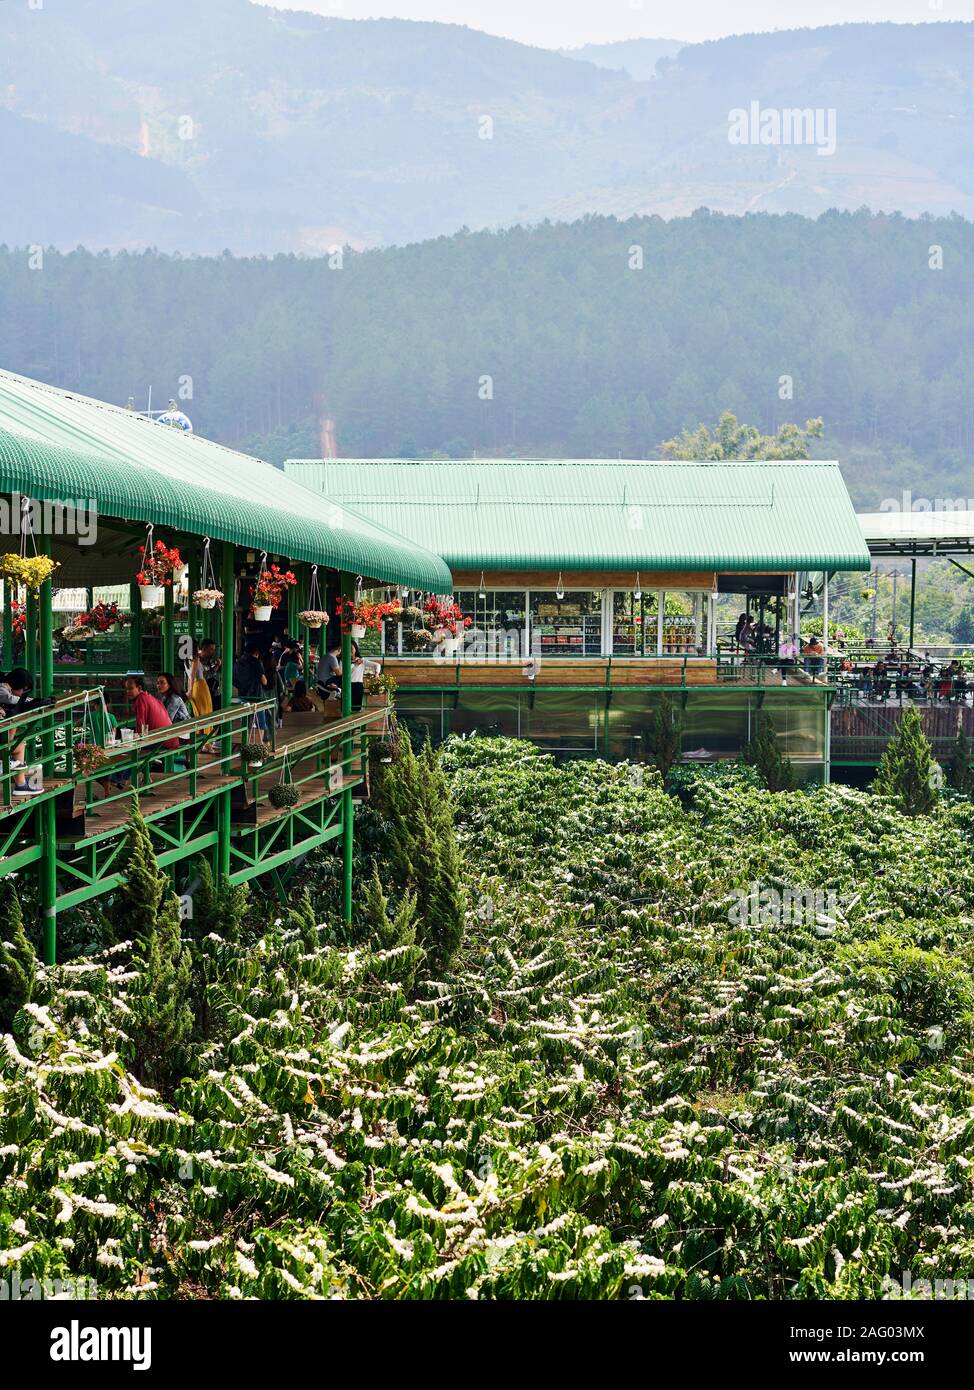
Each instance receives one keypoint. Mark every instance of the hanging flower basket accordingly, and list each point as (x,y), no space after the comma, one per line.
(314,618)
(269,589)
(78,632)
(32,572)
(357,618)
(160,563)
(89,757)
(446,618)
(208,598)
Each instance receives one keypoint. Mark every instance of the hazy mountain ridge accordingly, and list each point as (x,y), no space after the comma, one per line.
(264,130)
(637,57)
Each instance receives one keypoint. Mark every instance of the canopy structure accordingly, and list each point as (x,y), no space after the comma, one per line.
(919,533)
(58,446)
(633,514)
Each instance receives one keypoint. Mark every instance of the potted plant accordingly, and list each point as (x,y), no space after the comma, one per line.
(269,590)
(89,757)
(77,632)
(208,598)
(379,688)
(30,572)
(252,755)
(313,618)
(102,618)
(159,564)
(283,795)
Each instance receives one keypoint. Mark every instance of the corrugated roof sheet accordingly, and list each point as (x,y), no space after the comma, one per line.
(907,526)
(576,513)
(57,445)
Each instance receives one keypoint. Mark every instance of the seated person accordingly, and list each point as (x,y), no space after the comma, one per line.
(15,689)
(814,653)
(169,689)
(329,675)
(148,712)
(301,702)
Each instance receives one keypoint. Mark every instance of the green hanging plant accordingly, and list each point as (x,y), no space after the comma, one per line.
(283,796)
(252,752)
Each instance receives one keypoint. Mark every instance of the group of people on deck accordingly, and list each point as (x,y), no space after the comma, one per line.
(279,673)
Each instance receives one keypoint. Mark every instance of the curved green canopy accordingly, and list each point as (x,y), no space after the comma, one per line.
(58,446)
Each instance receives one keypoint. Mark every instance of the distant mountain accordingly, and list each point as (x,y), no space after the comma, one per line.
(198,126)
(637,57)
(76,190)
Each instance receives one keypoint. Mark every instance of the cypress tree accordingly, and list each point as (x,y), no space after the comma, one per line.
(392,930)
(665,739)
(443,902)
(18,961)
(961,774)
(162,1016)
(907,772)
(136,904)
(303,919)
(763,753)
(221,907)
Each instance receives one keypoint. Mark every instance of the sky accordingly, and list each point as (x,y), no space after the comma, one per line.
(570,23)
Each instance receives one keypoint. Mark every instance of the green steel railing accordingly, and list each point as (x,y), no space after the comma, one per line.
(147,767)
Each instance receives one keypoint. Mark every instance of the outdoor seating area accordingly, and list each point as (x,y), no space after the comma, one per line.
(154,655)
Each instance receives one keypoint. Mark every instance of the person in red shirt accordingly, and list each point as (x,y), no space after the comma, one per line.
(149,713)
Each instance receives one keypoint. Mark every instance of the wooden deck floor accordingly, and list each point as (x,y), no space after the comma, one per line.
(553,672)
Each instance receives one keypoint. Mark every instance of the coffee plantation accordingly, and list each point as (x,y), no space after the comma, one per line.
(617,1085)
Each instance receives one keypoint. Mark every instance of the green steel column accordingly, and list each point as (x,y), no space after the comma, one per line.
(135,631)
(194,584)
(9,595)
(168,631)
(48,833)
(913,600)
(348,810)
(227,584)
(305,602)
(30,633)
(292,611)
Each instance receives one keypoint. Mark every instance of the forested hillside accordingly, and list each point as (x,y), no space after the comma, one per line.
(540,341)
(265,130)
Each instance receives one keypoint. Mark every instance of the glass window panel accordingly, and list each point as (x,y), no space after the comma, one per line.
(566,626)
(682,635)
(634,623)
(497,623)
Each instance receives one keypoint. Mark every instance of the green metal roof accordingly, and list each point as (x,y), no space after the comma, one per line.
(633,514)
(56,445)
